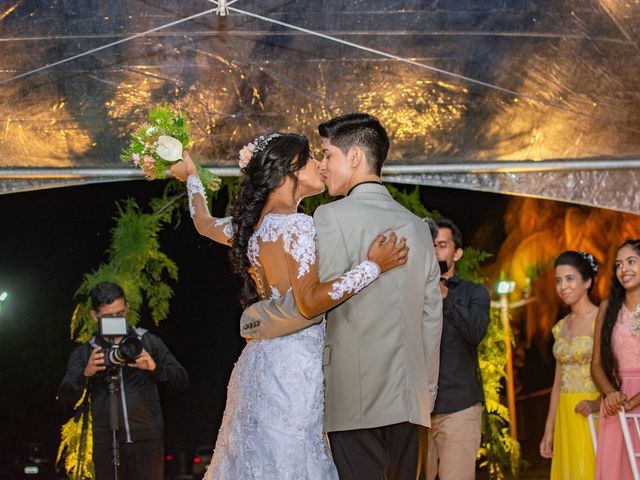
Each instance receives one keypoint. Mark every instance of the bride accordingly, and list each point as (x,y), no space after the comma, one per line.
(272,424)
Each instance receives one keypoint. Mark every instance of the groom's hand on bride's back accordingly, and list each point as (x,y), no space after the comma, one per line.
(388,253)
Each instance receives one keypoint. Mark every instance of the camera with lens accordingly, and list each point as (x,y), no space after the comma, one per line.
(130,346)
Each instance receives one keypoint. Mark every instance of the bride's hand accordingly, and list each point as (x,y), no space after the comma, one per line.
(185,167)
(387,253)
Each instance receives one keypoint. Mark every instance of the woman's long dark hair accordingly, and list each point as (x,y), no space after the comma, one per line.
(270,164)
(616,298)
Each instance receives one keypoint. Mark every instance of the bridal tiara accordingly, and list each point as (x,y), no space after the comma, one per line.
(256,145)
(262,141)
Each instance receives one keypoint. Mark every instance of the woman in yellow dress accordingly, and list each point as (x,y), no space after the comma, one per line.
(574,396)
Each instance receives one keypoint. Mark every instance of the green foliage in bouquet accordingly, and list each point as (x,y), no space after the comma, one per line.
(158,144)
(161,121)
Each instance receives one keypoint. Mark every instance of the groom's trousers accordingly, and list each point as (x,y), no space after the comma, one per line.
(391,452)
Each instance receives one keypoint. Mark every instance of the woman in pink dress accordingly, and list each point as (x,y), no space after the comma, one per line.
(615,364)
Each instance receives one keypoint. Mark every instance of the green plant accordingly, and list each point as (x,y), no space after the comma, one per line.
(411,201)
(74,441)
(499,452)
(469,266)
(309,204)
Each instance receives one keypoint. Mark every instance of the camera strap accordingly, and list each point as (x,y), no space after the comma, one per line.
(140,332)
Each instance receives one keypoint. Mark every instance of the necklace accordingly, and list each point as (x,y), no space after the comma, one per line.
(635,322)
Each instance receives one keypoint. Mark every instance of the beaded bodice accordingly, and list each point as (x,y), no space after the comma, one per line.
(574,358)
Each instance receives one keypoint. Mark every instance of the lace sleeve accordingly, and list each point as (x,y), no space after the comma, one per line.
(218,229)
(225,223)
(314,297)
(355,280)
(195,187)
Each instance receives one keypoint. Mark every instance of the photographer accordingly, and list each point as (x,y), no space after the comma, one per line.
(134,368)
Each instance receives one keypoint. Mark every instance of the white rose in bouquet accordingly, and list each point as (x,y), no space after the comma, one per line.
(169,148)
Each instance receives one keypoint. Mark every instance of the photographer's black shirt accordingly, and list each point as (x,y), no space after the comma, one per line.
(465,313)
(140,415)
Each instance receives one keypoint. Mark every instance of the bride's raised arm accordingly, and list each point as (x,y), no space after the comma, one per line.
(217,229)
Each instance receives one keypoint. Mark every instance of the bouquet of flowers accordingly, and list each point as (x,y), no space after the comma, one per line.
(157,144)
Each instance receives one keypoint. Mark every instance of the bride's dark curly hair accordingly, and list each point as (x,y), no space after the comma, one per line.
(616,299)
(281,157)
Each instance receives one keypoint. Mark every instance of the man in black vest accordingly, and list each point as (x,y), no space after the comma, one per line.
(456,419)
(135,381)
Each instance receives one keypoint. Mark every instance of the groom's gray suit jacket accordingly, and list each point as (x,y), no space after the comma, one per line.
(382,345)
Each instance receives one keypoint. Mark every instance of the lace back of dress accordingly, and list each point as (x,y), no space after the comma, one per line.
(257,273)
(275,238)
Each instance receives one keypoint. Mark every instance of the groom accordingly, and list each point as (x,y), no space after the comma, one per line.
(382,345)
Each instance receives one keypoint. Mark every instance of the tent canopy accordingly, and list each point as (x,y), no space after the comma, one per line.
(528,97)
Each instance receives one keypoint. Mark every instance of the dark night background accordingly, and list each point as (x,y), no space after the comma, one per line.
(50,238)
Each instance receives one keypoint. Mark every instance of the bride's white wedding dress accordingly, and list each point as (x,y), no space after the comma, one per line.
(272,424)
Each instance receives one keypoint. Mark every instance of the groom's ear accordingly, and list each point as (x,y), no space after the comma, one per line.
(356,156)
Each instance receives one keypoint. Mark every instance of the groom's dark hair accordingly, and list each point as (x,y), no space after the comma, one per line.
(361,130)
